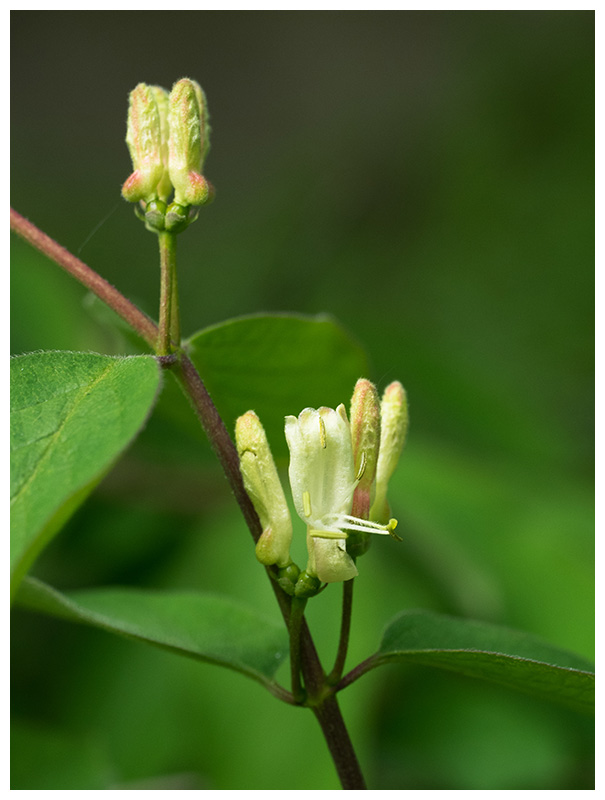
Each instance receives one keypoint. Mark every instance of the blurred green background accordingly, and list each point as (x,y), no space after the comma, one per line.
(425,177)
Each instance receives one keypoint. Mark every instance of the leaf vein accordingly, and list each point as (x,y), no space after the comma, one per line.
(83,392)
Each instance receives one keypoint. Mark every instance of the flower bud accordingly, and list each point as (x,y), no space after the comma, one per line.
(262,483)
(161,99)
(204,121)
(394,424)
(188,144)
(287,578)
(365,435)
(144,140)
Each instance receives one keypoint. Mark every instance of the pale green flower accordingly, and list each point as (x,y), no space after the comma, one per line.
(323,480)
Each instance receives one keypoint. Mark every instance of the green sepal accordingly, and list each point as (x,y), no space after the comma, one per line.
(179,217)
(155,213)
(307,585)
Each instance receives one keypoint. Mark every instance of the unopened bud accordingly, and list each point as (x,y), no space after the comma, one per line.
(394,424)
(161,99)
(204,121)
(365,435)
(264,488)
(144,140)
(189,143)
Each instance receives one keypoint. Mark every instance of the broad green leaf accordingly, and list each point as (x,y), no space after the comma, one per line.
(277,365)
(202,626)
(489,652)
(72,414)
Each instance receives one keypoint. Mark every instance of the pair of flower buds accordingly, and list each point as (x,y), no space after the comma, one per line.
(339,473)
(168,137)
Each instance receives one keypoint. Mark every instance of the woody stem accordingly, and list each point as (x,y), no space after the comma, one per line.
(345,629)
(297,611)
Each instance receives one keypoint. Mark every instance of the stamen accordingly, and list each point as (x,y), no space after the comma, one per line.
(355,524)
(368,523)
(362,466)
(322,433)
(306,499)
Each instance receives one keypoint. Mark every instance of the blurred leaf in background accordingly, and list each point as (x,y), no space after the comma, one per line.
(426,178)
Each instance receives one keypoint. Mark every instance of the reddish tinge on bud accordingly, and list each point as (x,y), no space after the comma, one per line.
(365,436)
(189,143)
(144,140)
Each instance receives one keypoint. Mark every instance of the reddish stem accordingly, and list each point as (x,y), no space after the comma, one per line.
(142,324)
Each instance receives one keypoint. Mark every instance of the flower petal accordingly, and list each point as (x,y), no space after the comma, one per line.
(321,463)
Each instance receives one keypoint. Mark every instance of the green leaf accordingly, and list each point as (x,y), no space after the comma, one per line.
(72,414)
(277,365)
(489,652)
(202,626)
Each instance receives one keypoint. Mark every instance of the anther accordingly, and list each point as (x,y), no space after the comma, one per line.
(392,524)
(362,466)
(306,499)
(322,433)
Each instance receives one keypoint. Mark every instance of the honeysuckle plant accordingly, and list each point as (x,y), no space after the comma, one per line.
(74,414)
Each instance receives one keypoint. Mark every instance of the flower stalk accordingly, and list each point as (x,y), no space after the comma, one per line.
(169,324)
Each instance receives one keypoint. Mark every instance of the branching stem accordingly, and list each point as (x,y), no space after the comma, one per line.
(320,694)
(357,672)
(139,321)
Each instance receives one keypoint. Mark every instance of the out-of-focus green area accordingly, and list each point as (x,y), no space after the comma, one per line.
(425,177)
